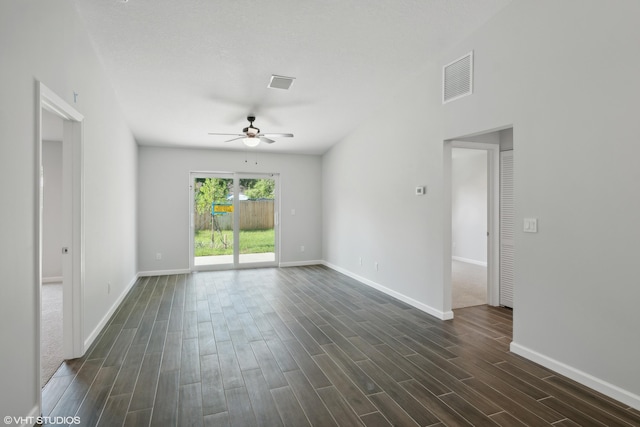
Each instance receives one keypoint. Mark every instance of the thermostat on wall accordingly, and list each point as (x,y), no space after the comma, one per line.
(421,191)
(530,225)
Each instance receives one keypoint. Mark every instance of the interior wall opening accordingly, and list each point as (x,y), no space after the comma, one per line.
(51,338)
(60,256)
(469,208)
(472,250)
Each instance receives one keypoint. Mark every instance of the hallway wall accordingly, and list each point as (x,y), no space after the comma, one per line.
(469,205)
(46,41)
(570,92)
(52,239)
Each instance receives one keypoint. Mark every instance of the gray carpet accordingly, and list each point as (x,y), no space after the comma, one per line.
(51,333)
(468,284)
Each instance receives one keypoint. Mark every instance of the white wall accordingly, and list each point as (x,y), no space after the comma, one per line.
(564,74)
(469,205)
(506,139)
(52,210)
(575,132)
(163,216)
(370,207)
(46,41)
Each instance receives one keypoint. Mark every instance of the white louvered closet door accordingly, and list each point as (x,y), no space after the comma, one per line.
(507,228)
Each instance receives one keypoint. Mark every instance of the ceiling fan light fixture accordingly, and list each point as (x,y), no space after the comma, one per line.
(251,135)
(251,141)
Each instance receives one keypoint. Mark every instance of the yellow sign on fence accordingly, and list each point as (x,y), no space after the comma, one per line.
(222,208)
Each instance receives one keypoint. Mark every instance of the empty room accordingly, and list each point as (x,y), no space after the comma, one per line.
(319,213)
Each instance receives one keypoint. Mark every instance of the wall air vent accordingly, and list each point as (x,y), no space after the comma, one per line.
(457,78)
(280,82)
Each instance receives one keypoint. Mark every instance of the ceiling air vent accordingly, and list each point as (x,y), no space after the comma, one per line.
(280,82)
(457,78)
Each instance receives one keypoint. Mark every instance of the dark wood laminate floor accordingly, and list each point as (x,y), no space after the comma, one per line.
(308,346)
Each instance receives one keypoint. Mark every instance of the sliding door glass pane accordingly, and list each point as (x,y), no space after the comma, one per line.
(213,221)
(256,204)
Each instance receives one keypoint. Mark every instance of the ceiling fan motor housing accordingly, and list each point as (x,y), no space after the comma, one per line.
(250,130)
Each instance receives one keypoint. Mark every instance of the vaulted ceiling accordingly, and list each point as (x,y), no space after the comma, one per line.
(182,69)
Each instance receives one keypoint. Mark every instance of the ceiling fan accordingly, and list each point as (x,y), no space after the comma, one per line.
(251,135)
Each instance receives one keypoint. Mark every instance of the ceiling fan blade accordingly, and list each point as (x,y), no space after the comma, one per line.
(235,139)
(267,140)
(226,134)
(277,135)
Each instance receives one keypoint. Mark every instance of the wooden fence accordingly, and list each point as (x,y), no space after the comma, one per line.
(254,215)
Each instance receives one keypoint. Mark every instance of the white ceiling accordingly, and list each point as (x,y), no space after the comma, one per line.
(184,68)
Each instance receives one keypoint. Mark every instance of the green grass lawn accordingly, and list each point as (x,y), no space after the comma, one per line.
(251,242)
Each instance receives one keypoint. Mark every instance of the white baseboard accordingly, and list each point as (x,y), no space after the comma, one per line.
(442,315)
(35,411)
(301,263)
(96,331)
(469,261)
(163,272)
(52,279)
(30,419)
(584,378)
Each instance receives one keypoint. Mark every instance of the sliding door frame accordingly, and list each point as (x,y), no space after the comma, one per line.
(235,264)
(276,217)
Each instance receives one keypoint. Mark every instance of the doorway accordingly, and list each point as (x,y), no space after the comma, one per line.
(500,214)
(52,242)
(489,144)
(234,220)
(69,245)
(469,227)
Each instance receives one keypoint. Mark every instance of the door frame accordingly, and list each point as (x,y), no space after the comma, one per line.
(73,220)
(235,176)
(493,220)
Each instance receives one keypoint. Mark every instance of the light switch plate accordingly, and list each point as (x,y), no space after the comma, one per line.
(530,225)
(420,191)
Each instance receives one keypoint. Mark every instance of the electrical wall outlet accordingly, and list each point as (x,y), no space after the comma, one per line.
(301,248)
(158,256)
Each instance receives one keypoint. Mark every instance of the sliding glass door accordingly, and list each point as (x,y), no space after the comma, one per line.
(257,219)
(233,220)
(212,239)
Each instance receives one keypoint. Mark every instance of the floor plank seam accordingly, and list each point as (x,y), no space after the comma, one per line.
(293,344)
